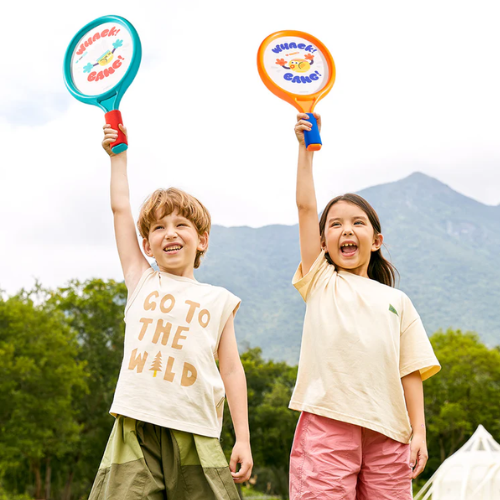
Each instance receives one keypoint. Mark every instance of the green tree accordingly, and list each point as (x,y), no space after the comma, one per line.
(95,311)
(39,377)
(464,394)
(272,424)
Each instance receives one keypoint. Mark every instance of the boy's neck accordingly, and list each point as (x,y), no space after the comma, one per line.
(186,272)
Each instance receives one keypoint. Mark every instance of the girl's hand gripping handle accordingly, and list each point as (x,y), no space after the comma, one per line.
(312,138)
(114,118)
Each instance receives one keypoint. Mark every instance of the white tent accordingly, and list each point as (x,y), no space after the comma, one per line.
(472,473)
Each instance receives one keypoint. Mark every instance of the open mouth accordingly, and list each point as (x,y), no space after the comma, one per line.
(172,249)
(348,249)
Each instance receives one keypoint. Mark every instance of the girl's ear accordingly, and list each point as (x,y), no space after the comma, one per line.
(203,242)
(147,247)
(377,242)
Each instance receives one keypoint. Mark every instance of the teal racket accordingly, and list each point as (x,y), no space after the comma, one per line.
(101,62)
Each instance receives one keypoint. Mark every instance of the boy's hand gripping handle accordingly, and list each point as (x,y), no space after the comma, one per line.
(114,118)
(312,137)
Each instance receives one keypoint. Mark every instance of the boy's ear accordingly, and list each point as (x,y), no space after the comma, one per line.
(377,242)
(203,241)
(147,247)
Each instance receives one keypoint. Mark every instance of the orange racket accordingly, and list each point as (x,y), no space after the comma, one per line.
(299,69)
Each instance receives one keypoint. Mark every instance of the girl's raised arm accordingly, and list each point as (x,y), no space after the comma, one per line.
(310,242)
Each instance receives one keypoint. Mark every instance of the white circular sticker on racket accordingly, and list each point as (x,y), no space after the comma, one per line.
(296,65)
(101,58)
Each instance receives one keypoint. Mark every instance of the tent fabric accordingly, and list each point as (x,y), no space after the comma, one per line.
(472,473)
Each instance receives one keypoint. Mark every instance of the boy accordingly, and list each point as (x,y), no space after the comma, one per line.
(169,397)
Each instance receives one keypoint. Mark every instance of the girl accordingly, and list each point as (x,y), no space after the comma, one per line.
(363,357)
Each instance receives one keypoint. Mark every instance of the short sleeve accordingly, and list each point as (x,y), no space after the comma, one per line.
(304,284)
(416,351)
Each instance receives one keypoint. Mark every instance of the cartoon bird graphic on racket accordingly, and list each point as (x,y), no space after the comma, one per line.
(297,65)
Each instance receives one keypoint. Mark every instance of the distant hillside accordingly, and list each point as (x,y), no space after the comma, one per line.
(446,247)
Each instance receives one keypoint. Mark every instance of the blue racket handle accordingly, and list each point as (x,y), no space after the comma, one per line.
(312,138)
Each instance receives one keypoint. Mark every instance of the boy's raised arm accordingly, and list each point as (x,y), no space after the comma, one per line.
(310,242)
(131,257)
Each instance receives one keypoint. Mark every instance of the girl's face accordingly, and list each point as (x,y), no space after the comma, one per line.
(350,238)
(173,242)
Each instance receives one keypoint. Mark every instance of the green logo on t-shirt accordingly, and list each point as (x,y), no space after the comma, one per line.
(391,308)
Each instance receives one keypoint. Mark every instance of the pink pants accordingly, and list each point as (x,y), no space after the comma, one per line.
(334,460)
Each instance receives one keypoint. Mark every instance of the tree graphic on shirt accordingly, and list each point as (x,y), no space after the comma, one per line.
(156,364)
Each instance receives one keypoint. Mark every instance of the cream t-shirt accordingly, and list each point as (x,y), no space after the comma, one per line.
(169,375)
(360,338)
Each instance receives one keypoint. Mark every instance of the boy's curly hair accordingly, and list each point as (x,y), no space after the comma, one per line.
(165,201)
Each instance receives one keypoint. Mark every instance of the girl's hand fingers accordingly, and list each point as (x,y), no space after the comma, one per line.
(302,125)
(422,461)
(318,120)
(302,128)
(413,457)
(304,122)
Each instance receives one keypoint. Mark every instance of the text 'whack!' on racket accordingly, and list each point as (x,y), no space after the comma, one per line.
(299,69)
(101,62)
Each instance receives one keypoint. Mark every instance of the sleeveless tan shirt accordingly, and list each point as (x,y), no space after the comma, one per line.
(169,375)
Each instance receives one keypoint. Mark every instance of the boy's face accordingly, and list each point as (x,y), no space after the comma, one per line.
(350,238)
(173,242)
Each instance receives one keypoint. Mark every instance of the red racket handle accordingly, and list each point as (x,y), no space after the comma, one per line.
(114,118)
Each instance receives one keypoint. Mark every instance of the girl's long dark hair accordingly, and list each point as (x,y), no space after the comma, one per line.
(379,268)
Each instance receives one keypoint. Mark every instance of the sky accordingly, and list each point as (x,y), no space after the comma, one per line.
(416,90)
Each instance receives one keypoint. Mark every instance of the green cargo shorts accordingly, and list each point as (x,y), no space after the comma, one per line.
(145,461)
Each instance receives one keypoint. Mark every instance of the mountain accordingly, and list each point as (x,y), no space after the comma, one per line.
(444,245)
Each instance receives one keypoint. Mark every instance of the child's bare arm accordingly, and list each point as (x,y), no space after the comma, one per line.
(132,260)
(233,376)
(310,243)
(414,396)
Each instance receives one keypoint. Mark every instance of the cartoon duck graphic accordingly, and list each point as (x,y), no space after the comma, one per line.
(297,65)
(105,59)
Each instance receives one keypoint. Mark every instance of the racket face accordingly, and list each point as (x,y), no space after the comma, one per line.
(102,60)
(296,67)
